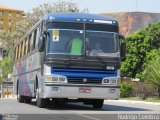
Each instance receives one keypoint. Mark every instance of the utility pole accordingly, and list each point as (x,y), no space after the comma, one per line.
(136,7)
(1,90)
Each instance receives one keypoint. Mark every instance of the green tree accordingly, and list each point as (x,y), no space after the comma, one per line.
(126,89)
(135,54)
(6,66)
(141,48)
(152,74)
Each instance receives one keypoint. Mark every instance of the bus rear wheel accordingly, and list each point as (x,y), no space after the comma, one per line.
(97,103)
(28,99)
(20,98)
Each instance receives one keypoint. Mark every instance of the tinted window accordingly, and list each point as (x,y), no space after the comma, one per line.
(37,37)
(102,27)
(29,43)
(34,38)
(65,25)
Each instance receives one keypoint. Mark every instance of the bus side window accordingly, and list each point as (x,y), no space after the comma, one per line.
(26,46)
(34,38)
(37,37)
(22,48)
(29,43)
(19,54)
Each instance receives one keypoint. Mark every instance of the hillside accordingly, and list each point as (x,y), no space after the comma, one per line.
(129,22)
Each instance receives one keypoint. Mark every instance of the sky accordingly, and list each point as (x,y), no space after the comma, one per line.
(94,6)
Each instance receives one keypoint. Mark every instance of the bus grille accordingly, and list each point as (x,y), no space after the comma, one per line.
(83,76)
(74,80)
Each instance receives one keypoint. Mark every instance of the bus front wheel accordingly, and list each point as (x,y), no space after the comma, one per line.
(97,103)
(41,102)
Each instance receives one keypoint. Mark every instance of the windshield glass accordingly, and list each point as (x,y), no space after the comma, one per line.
(65,41)
(67,38)
(101,43)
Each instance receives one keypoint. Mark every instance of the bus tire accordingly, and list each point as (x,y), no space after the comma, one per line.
(41,102)
(20,98)
(97,103)
(28,100)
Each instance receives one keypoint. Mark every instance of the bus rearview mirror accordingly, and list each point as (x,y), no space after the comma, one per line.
(41,44)
(122,47)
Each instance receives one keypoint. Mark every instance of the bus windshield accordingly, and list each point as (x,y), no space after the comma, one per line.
(76,39)
(65,41)
(102,43)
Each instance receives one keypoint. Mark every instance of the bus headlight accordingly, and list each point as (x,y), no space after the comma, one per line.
(48,78)
(56,79)
(111,81)
(106,81)
(63,79)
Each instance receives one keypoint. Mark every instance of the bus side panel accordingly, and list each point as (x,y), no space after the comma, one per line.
(25,73)
(33,68)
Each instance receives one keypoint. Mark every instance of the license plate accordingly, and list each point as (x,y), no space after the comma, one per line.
(112,90)
(84,90)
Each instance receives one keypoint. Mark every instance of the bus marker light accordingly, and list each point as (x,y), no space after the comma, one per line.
(102,21)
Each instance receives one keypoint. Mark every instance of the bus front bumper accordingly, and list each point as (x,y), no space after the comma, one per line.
(81,91)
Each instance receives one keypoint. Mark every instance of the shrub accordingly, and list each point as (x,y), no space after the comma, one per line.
(126,89)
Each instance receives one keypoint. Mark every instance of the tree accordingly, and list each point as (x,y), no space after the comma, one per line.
(8,40)
(6,66)
(141,47)
(58,6)
(152,74)
(126,89)
(135,54)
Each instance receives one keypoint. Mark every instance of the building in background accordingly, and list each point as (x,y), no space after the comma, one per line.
(8,18)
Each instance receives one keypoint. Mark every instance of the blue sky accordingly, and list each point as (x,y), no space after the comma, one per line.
(94,6)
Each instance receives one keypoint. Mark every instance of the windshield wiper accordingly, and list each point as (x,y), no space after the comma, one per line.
(72,58)
(99,58)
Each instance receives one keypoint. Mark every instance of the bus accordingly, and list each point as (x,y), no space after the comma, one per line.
(69,57)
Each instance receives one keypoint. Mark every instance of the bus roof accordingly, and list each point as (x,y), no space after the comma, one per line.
(79,17)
